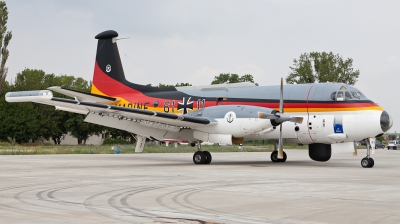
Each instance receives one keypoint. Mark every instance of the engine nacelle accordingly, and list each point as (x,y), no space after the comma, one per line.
(320,152)
(235,120)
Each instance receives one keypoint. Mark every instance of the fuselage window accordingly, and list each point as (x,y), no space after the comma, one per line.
(348,95)
(333,96)
(340,96)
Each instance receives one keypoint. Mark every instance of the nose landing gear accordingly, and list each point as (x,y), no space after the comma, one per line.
(368,162)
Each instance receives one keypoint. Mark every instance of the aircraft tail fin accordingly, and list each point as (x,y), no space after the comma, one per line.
(108,77)
(108,72)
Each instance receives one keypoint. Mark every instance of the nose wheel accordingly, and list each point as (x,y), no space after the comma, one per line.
(367,162)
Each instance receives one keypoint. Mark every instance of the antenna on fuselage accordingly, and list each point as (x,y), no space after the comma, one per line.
(122,38)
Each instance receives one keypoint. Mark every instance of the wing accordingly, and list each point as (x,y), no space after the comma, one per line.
(84,96)
(172,122)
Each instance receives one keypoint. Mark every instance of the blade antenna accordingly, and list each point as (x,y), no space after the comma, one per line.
(280,146)
(281,99)
(122,38)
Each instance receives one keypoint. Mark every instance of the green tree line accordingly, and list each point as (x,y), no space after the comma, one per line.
(31,122)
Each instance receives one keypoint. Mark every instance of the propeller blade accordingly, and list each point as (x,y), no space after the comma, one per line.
(280,147)
(279,118)
(280,144)
(281,98)
(264,115)
(285,117)
(122,38)
(297,120)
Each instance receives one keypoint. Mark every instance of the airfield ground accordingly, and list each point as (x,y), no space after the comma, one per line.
(240,187)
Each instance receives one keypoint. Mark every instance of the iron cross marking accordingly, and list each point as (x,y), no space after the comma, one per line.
(185,105)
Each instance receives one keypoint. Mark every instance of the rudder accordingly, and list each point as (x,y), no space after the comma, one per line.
(107,65)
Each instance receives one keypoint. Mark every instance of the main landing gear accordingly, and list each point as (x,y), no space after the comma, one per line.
(274,154)
(274,157)
(367,162)
(201,157)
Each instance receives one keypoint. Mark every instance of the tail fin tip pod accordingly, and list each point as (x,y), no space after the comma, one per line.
(106,34)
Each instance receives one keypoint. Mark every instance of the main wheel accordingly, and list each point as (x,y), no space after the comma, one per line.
(367,162)
(199,157)
(209,157)
(274,157)
(372,162)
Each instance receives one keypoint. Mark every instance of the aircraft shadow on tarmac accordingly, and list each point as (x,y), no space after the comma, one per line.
(261,163)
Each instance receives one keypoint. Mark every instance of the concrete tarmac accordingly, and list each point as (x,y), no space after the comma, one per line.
(243,187)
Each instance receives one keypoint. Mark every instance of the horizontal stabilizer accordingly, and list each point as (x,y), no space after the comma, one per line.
(84,96)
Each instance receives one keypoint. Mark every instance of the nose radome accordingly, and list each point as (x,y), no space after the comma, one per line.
(386,121)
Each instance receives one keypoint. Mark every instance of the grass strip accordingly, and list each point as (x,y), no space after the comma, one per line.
(123,149)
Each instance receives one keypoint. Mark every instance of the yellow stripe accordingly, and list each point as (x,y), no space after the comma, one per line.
(344,109)
(94,90)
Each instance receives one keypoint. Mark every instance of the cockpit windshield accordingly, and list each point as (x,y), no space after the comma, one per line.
(345,95)
(357,95)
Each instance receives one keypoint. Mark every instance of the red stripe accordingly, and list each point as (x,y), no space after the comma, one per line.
(108,85)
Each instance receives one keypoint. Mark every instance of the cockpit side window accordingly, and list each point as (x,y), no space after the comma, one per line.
(333,96)
(348,95)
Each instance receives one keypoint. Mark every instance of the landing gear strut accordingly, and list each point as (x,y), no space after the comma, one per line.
(201,157)
(367,162)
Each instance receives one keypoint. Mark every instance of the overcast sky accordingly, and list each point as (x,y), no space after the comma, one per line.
(192,41)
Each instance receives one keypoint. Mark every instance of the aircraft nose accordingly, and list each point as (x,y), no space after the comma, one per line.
(386,121)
